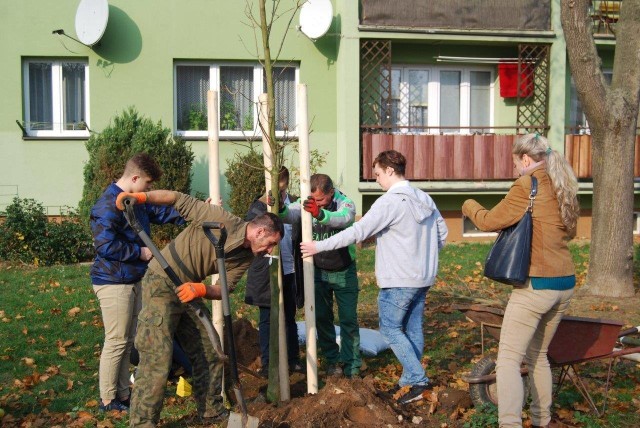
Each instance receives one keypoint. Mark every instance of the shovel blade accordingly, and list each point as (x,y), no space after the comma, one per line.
(235,421)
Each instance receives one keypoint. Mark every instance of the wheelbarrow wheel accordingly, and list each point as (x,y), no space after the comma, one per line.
(487,392)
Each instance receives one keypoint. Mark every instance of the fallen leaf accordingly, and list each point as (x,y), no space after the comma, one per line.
(53,370)
(69,384)
(73,311)
(28,361)
(91,403)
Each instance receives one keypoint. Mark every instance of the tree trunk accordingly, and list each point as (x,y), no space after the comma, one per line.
(612,113)
(276,153)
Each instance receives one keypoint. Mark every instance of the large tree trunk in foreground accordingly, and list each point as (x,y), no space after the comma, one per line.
(612,113)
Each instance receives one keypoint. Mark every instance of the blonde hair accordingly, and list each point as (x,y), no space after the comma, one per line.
(563,179)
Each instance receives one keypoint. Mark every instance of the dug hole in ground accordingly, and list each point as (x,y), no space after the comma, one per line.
(341,402)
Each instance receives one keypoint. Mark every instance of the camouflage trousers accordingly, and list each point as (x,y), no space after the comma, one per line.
(163,316)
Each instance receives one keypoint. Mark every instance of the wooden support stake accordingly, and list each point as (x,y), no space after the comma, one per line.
(267,154)
(307,235)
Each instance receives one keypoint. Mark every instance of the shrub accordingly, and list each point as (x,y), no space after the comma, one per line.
(27,237)
(130,134)
(245,175)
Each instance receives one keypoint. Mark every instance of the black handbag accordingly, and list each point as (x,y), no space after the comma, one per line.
(510,256)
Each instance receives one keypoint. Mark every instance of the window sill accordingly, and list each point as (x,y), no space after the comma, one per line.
(54,138)
(289,137)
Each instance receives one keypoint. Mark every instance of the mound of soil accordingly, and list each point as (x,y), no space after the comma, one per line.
(340,403)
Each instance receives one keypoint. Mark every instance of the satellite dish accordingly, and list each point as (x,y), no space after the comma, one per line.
(91,20)
(315,18)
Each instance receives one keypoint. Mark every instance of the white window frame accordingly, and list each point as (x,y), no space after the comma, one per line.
(214,84)
(469,230)
(56,99)
(433,113)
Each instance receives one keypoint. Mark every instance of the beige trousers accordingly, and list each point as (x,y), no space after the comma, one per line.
(530,321)
(120,305)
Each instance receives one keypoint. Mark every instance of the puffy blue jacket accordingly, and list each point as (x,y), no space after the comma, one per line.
(117,244)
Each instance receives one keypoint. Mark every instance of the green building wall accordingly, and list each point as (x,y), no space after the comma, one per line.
(133,66)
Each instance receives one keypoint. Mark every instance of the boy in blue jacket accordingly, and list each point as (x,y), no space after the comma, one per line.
(120,263)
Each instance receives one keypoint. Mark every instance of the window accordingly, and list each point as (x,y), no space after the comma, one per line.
(448,100)
(56,98)
(238,86)
(470,230)
(577,120)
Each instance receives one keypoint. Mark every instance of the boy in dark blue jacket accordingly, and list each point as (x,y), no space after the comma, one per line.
(120,263)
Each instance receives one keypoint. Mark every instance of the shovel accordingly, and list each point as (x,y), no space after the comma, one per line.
(235,420)
(130,215)
(211,332)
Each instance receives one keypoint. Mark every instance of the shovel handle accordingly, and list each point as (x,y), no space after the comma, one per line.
(130,215)
(218,243)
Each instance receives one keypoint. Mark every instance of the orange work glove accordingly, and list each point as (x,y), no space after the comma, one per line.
(191,290)
(311,206)
(140,198)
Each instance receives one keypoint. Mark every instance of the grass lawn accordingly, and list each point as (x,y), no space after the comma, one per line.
(51,336)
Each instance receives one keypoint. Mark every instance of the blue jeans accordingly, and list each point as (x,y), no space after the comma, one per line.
(400,313)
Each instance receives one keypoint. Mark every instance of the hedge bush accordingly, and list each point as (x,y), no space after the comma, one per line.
(129,134)
(245,175)
(26,236)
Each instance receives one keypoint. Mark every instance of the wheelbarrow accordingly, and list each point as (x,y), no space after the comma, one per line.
(576,341)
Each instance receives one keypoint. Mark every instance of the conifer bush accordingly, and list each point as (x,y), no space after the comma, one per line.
(128,134)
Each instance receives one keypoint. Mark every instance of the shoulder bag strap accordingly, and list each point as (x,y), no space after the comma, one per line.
(534,192)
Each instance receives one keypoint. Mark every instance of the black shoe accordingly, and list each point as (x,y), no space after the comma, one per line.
(208,421)
(394,390)
(113,405)
(415,394)
(214,420)
(333,370)
(126,403)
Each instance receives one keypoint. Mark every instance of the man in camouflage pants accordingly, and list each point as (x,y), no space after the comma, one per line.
(192,256)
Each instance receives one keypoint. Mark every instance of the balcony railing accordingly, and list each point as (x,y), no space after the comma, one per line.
(605,14)
(468,157)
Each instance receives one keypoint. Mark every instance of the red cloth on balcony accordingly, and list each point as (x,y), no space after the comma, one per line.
(509,81)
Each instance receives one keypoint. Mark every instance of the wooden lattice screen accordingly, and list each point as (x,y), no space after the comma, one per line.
(375,83)
(533,97)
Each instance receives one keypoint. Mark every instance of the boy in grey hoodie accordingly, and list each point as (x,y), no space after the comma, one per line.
(409,233)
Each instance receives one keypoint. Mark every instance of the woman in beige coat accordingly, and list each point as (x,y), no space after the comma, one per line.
(535,309)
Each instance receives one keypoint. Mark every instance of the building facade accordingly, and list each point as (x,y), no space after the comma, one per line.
(448,85)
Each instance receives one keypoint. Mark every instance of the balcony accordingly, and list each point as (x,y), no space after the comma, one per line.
(604,15)
(468,157)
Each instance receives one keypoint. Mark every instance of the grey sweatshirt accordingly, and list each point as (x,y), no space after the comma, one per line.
(409,232)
